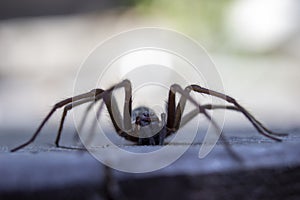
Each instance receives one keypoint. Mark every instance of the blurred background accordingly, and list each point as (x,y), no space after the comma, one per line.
(255,45)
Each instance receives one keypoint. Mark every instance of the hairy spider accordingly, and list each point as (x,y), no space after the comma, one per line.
(132,126)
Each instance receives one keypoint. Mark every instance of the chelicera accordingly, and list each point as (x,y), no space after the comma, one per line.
(142,125)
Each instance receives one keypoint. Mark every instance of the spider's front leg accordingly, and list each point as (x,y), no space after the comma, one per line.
(67,108)
(179,121)
(175,114)
(122,126)
(58,105)
(258,125)
(93,95)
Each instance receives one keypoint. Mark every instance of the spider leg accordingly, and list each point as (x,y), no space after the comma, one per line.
(92,130)
(189,116)
(55,107)
(82,122)
(186,96)
(172,113)
(210,107)
(95,121)
(180,121)
(122,126)
(113,111)
(66,109)
(258,125)
(164,131)
(76,138)
(96,94)
(110,103)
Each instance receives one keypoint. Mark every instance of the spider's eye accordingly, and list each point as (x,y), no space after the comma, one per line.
(146,114)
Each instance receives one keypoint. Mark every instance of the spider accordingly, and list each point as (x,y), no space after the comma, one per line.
(136,122)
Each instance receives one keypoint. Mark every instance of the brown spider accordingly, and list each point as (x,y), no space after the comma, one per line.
(142,116)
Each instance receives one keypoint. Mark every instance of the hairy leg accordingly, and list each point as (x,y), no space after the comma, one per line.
(258,125)
(92,95)
(186,96)
(237,107)
(55,107)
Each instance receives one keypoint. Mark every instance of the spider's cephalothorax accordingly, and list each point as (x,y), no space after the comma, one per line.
(143,116)
(148,127)
(141,125)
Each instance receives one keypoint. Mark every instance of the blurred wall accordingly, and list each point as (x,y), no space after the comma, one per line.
(254,44)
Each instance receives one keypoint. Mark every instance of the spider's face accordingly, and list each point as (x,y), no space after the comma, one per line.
(144,116)
(143,119)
